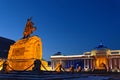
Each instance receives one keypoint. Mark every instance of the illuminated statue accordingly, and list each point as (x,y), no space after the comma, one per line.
(26,54)
(29,28)
(58,68)
(71,69)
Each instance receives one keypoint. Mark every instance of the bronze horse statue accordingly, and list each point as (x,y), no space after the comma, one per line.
(29,28)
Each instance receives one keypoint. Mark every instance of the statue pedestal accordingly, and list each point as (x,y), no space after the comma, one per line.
(24,52)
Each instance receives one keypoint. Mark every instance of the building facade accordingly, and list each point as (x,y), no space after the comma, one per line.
(99,58)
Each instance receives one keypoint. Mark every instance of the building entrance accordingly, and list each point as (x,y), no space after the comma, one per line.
(100,63)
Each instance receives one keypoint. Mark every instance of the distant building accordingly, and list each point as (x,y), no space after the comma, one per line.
(99,58)
(5,46)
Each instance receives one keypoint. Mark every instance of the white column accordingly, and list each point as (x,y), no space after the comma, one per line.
(88,66)
(115,62)
(53,65)
(111,63)
(60,61)
(84,63)
(91,63)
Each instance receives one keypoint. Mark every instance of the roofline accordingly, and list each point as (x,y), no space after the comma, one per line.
(70,56)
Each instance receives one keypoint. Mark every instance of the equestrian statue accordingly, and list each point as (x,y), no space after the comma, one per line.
(29,28)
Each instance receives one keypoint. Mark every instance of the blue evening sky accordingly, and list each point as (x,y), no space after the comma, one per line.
(67,26)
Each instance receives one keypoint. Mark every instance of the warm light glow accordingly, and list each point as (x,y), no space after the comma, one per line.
(23,53)
(100,62)
(1,64)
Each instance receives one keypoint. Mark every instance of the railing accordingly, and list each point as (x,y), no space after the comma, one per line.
(6,64)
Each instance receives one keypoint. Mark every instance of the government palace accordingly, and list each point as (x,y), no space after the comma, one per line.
(99,58)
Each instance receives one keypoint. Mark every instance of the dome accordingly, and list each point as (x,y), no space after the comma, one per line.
(100,50)
(101,47)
